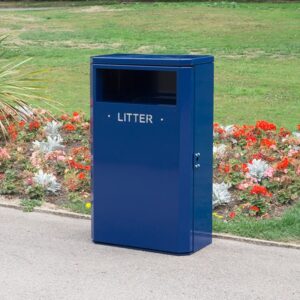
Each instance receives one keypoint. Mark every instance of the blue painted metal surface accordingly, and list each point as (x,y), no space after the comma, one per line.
(151,114)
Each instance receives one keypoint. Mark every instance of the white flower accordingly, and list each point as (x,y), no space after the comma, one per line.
(221,194)
(48,181)
(257,168)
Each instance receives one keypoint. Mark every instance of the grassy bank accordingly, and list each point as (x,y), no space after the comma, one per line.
(285,228)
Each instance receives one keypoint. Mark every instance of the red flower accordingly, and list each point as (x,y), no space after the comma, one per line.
(265,126)
(283,164)
(298,127)
(224,168)
(81,176)
(283,132)
(64,117)
(218,129)
(69,127)
(254,208)
(87,168)
(22,123)
(245,168)
(256,156)
(12,131)
(251,139)
(267,143)
(239,132)
(232,215)
(78,166)
(260,190)
(34,125)
(76,117)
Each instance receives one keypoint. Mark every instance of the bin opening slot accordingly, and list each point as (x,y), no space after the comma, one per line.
(137,86)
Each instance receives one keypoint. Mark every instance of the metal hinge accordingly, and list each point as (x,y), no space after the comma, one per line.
(196,160)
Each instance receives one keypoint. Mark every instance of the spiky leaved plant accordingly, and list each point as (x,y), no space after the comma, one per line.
(18,90)
(51,144)
(52,128)
(257,168)
(47,180)
(221,194)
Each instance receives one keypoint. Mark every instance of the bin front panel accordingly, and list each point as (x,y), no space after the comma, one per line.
(136,172)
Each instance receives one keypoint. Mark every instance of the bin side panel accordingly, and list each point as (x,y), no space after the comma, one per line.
(203,143)
(186,106)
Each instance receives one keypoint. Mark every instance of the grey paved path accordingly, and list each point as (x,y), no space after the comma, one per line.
(51,257)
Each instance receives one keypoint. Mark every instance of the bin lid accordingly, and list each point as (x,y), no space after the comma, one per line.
(152,59)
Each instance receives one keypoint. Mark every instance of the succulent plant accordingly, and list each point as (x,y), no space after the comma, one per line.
(46,180)
(219,150)
(51,129)
(221,195)
(52,144)
(257,168)
(296,134)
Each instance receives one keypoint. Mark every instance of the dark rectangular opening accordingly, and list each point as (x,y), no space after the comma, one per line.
(137,86)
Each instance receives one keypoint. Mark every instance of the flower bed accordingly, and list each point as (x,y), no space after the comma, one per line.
(47,160)
(256,170)
(256,167)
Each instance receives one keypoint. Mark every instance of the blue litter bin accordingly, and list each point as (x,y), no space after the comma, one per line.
(152,127)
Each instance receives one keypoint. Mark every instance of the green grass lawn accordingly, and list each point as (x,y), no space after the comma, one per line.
(256,49)
(285,228)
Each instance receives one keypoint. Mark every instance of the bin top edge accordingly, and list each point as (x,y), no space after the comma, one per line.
(152,59)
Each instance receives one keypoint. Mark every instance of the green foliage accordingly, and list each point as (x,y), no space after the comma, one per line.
(36,192)
(29,204)
(10,185)
(60,168)
(18,89)
(259,202)
(289,194)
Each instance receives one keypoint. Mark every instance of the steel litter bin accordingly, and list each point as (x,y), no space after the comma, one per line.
(152,137)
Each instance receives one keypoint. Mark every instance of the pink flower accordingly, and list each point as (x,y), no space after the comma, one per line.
(85,125)
(292,152)
(298,171)
(4,154)
(244,185)
(269,172)
(252,179)
(36,159)
(58,155)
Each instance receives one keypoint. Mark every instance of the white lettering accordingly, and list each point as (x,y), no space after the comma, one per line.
(134,118)
(149,119)
(142,118)
(119,118)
